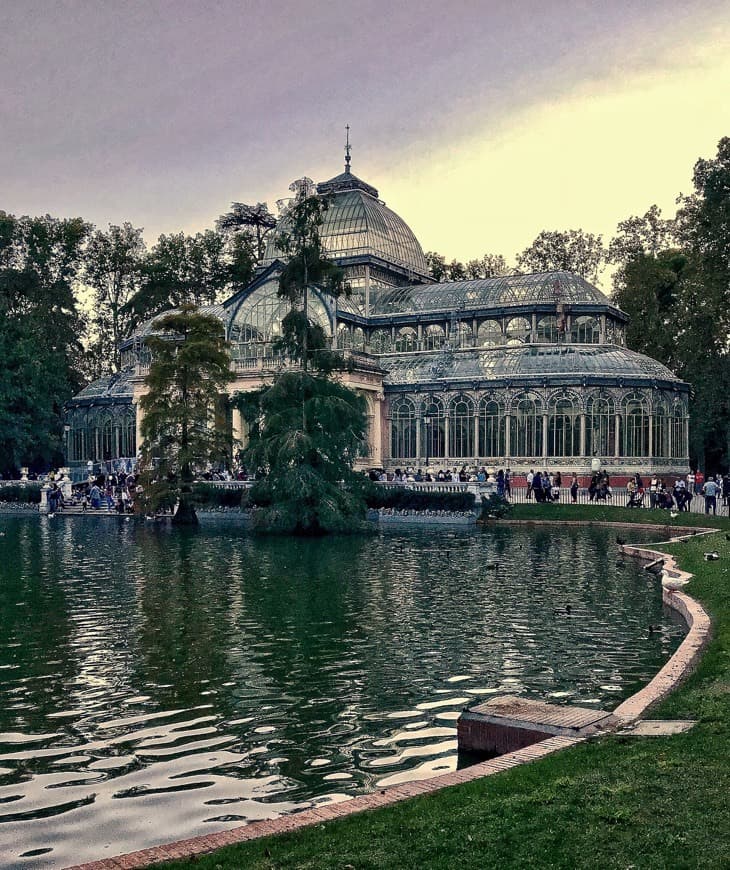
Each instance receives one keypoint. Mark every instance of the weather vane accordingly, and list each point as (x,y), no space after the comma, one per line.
(347,149)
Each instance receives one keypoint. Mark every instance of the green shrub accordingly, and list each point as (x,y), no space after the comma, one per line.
(403,498)
(495,507)
(208,495)
(25,493)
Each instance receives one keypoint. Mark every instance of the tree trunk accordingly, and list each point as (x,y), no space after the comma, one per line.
(185,513)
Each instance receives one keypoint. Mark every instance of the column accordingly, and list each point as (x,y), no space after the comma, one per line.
(617,434)
(476,435)
(582,434)
(419,425)
(651,436)
(507,435)
(545,435)
(376,430)
(446,437)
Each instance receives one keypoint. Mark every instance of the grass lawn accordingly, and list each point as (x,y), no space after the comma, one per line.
(616,802)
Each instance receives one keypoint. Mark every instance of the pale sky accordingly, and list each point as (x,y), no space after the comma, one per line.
(481,123)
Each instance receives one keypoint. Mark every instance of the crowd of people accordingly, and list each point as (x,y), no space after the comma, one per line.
(678,494)
(547,486)
(110,492)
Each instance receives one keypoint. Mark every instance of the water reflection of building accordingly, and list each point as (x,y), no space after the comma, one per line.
(522,370)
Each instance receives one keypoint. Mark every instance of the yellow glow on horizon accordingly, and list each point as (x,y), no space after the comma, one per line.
(588,160)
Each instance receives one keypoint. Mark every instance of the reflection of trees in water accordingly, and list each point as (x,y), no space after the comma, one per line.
(33,618)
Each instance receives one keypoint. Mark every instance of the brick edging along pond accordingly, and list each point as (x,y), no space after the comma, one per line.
(673,672)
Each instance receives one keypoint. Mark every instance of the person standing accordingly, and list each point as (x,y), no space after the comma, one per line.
(574,489)
(508,483)
(530,481)
(699,482)
(709,490)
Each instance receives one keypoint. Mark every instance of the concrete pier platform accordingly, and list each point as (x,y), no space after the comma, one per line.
(508,723)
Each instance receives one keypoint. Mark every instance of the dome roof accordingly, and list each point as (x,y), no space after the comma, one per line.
(109,389)
(358,224)
(565,363)
(506,290)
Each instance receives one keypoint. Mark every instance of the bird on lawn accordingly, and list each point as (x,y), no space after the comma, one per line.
(711,557)
(673,514)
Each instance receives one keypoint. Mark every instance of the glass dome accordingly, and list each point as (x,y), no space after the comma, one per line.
(358,224)
(543,287)
(533,362)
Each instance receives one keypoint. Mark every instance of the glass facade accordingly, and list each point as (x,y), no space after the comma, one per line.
(529,367)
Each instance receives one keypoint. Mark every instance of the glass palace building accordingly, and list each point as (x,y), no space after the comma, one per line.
(518,371)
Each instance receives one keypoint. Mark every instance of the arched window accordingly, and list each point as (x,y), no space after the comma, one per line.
(635,441)
(406,340)
(518,330)
(380,341)
(547,329)
(526,426)
(434,428)
(600,426)
(680,448)
(403,429)
(585,330)
(563,427)
(461,427)
(489,333)
(77,440)
(433,337)
(491,428)
(129,435)
(344,337)
(464,335)
(660,429)
(107,445)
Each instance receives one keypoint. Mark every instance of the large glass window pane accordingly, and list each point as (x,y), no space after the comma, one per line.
(491,429)
(518,330)
(600,427)
(526,427)
(434,429)
(585,330)
(547,329)
(660,429)
(403,429)
(563,427)
(461,427)
(380,341)
(635,426)
(489,333)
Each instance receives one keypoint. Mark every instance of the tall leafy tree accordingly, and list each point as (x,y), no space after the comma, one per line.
(307,265)
(703,228)
(253,222)
(569,251)
(189,372)
(199,270)
(487,266)
(307,429)
(673,279)
(39,328)
(113,265)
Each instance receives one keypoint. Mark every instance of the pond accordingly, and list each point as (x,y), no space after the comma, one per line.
(157,684)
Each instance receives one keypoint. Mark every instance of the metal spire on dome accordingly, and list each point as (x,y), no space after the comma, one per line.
(347,150)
